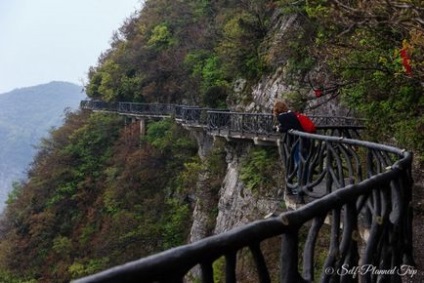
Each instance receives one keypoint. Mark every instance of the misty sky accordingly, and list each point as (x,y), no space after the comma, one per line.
(55,40)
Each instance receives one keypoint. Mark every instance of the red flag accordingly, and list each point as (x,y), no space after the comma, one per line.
(318,92)
(406,60)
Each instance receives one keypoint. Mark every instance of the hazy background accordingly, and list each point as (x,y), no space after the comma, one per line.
(55,40)
(46,49)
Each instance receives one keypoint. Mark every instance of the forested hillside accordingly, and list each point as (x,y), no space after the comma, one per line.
(26,115)
(99,195)
(194,51)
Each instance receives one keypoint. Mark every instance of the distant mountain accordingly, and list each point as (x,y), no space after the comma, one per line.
(27,115)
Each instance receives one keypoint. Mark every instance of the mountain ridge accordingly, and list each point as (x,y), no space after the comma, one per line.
(26,115)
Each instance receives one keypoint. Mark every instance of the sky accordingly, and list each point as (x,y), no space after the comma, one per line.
(56,40)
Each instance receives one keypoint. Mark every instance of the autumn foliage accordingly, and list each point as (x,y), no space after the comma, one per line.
(98,195)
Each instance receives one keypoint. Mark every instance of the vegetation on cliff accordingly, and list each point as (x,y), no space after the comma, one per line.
(97,195)
(375,51)
(193,51)
(26,115)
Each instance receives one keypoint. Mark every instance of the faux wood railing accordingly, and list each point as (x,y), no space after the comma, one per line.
(361,189)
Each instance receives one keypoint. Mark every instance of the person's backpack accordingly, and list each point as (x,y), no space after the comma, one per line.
(306,123)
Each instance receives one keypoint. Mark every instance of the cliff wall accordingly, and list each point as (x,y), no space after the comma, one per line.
(235,204)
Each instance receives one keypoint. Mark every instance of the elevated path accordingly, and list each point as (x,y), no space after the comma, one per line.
(340,178)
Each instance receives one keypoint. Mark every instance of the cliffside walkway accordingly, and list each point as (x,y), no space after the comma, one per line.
(353,185)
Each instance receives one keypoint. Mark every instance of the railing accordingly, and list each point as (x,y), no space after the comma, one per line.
(361,189)
(194,116)
(98,105)
(215,119)
(147,109)
(240,123)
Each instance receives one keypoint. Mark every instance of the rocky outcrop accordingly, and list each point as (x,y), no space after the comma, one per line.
(205,197)
(236,204)
(239,205)
(202,225)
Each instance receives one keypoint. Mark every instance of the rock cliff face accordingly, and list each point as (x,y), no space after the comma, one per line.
(205,197)
(236,204)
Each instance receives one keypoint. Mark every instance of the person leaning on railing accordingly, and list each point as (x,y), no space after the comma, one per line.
(291,120)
